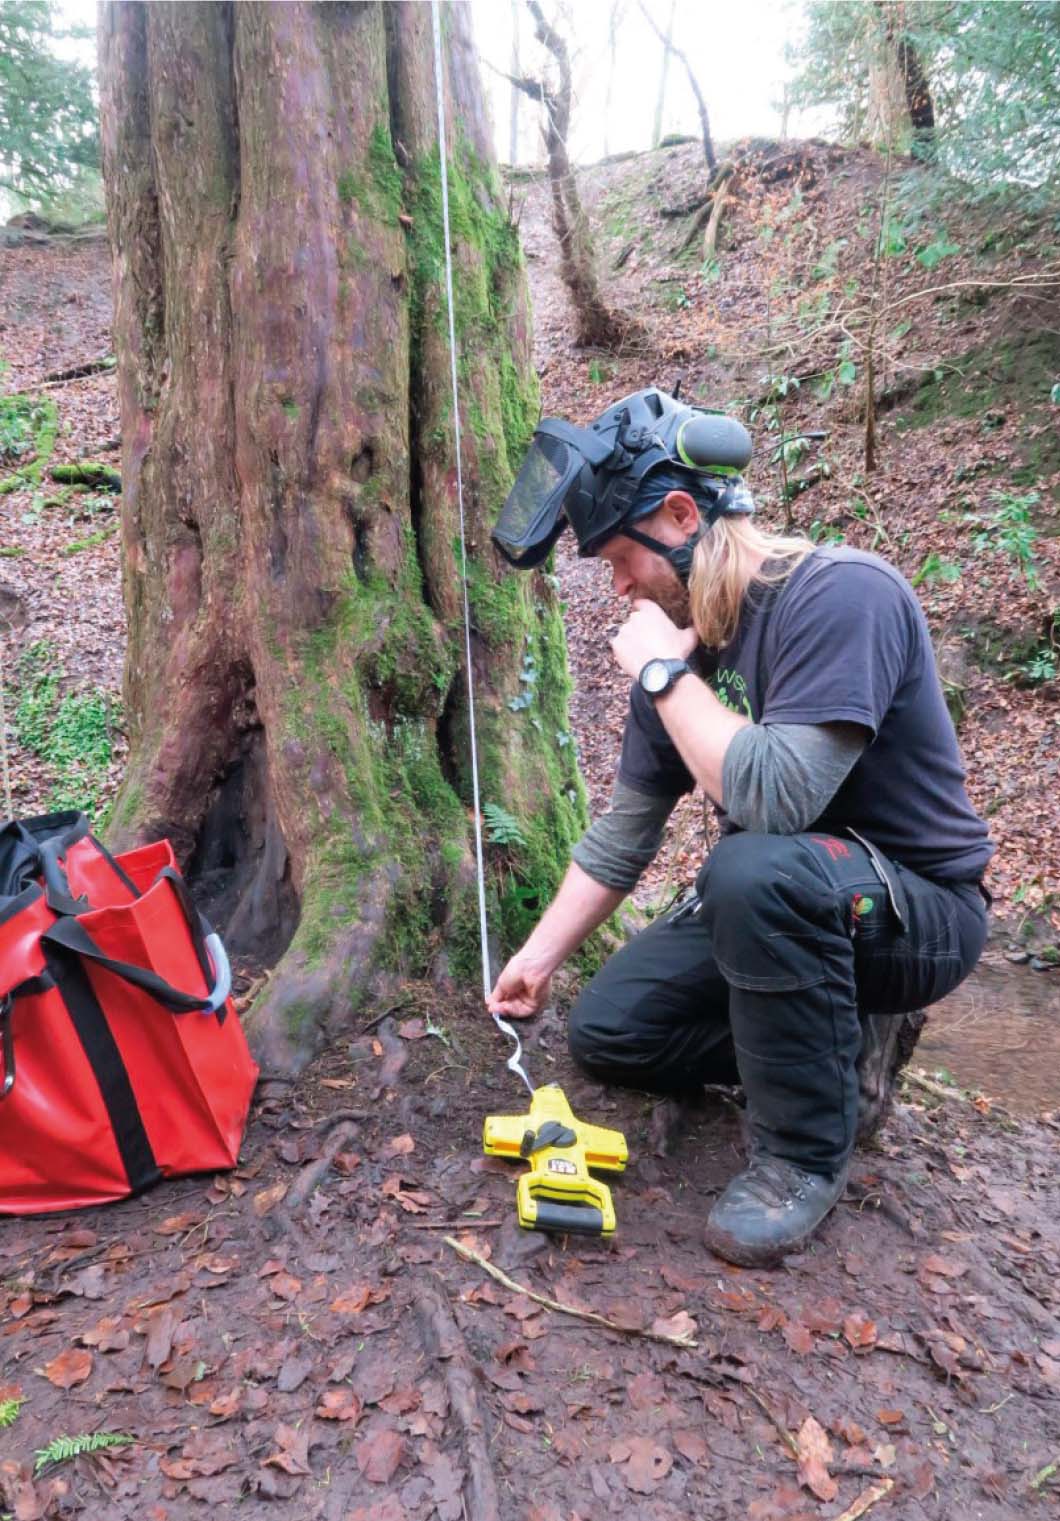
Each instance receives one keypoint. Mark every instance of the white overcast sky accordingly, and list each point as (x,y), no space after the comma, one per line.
(736,48)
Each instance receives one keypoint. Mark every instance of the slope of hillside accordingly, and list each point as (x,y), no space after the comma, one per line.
(962,316)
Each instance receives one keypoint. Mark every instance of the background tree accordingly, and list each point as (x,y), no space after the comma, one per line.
(976,84)
(297,712)
(597,325)
(49,133)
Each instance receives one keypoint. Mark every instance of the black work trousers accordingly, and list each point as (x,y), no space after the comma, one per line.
(763,983)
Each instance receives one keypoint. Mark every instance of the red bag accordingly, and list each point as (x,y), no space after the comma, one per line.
(123,1057)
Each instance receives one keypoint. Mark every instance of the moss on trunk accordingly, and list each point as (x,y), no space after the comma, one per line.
(295,676)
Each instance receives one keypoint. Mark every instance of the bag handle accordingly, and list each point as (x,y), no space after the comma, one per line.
(70,935)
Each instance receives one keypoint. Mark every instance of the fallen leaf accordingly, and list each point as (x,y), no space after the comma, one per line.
(285,1286)
(176,1225)
(797,1337)
(412,1029)
(161,1323)
(339,1405)
(815,1454)
(641,1462)
(849,1430)
(268,1199)
(379,1456)
(890,1417)
(681,1325)
(69,1368)
(292,1450)
(692,1446)
(358,1297)
(399,1146)
(946,1267)
(337,1082)
(859,1330)
(107,1335)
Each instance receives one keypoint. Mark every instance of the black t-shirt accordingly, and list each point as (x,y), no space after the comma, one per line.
(842,639)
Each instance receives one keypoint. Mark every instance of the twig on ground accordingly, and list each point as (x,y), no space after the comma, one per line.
(453,1225)
(402,1003)
(326,1122)
(684,1342)
(866,1499)
(777,1424)
(310,1176)
(443,1341)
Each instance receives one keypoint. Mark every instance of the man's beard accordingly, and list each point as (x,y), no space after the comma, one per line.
(671,595)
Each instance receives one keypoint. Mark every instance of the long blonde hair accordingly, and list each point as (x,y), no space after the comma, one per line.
(727,562)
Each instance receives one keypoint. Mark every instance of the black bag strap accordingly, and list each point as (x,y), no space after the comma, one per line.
(70,935)
(104,1057)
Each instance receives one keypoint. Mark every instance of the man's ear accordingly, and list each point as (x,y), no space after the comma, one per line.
(683,510)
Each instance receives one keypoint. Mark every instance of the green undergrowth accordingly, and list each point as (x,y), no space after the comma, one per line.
(28,427)
(1009,379)
(72,732)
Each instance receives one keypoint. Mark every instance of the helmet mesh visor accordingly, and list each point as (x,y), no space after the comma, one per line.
(536,499)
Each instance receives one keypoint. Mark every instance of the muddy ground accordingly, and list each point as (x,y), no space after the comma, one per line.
(339,1360)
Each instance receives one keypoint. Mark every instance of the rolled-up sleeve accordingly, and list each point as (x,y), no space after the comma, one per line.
(621,843)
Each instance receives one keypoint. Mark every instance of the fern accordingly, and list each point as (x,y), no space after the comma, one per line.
(63,1448)
(503,826)
(9,1410)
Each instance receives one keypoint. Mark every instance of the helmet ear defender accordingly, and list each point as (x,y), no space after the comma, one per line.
(589,478)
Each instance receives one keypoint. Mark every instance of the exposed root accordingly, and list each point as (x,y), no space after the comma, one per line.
(309,1178)
(443,1341)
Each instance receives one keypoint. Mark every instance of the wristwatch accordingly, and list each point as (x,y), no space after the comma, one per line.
(658,676)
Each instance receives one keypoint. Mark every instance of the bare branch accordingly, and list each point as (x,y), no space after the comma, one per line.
(704,119)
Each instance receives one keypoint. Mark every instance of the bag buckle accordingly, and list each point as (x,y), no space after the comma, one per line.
(7,1044)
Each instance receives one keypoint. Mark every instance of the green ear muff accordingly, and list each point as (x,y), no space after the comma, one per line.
(713,442)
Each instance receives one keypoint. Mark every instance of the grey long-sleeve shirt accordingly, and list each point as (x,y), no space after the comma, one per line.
(776,779)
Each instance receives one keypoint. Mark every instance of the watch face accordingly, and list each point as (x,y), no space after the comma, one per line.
(655,677)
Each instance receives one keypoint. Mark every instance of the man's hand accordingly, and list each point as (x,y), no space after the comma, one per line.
(648,634)
(522,989)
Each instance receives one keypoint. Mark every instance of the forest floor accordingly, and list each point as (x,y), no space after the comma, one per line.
(301,1333)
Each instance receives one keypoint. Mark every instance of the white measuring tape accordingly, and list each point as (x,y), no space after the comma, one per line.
(515,1062)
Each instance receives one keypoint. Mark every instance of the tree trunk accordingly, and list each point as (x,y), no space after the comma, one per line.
(899,87)
(598,325)
(516,93)
(664,69)
(296,702)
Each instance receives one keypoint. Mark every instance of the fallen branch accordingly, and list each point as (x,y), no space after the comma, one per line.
(443,1341)
(77,372)
(684,1342)
(310,1176)
(710,237)
(866,1499)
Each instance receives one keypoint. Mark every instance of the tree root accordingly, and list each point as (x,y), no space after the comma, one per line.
(443,1341)
(308,1179)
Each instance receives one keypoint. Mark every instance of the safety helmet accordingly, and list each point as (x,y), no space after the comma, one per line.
(590,477)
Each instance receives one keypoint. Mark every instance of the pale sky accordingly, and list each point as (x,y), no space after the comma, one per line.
(736,48)
(736,51)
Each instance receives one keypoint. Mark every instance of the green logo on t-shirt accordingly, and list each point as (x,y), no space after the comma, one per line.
(730,688)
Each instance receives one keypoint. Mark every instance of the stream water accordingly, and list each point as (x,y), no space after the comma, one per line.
(1000,1032)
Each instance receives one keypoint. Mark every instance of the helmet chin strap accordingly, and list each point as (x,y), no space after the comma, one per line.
(679,555)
